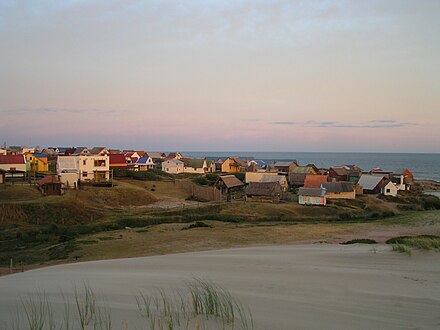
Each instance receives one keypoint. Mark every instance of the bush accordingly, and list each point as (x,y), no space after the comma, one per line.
(430,202)
(360,241)
(197,224)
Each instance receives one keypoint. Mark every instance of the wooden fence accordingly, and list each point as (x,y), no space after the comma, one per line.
(202,193)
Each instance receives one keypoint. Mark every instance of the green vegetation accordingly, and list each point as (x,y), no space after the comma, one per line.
(421,242)
(360,241)
(197,224)
(206,180)
(202,305)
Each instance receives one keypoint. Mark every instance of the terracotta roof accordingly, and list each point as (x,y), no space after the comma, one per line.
(117,159)
(231,181)
(338,187)
(311,192)
(263,188)
(12,159)
(48,179)
(314,181)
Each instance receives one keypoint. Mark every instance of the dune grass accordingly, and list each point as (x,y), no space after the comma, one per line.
(421,242)
(202,305)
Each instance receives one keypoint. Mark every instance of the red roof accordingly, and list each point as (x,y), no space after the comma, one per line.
(12,159)
(117,159)
(48,179)
(314,181)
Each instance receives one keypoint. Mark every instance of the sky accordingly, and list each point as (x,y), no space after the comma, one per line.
(221,75)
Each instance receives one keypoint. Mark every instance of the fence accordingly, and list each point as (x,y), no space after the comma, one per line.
(202,193)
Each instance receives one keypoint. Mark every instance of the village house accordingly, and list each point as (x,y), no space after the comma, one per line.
(117,161)
(297,175)
(283,167)
(37,162)
(315,181)
(268,177)
(263,192)
(173,166)
(197,166)
(14,165)
(174,155)
(371,184)
(312,196)
(98,151)
(348,173)
(229,186)
(91,168)
(388,188)
(156,156)
(143,164)
(68,171)
(80,151)
(339,190)
(50,185)
(255,165)
(233,165)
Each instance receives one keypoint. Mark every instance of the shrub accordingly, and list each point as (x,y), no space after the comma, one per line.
(360,241)
(197,224)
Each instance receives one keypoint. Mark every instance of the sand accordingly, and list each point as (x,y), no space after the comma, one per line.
(313,286)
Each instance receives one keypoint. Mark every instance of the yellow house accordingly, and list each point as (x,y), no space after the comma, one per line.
(37,162)
(233,165)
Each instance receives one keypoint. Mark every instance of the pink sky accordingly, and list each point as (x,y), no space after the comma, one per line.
(219,75)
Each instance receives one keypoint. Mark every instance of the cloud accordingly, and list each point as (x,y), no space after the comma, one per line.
(58,110)
(337,124)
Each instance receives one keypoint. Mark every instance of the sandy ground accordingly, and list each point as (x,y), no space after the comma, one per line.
(312,286)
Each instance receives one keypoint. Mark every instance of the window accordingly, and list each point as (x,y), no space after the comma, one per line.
(388,190)
(84,174)
(84,162)
(99,162)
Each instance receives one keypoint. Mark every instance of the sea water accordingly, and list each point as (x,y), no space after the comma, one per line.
(423,166)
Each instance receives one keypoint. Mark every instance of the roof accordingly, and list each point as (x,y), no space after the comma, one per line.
(12,159)
(297,178)
(311,192)
(196,163)
(263,188)
(79,150)
(155,155)
(346,169)
(281,179)
(175,161)
(301,169)
(143,160)
(117,159)
(97,150)
(48,179)
(38,155)
(231,181)
(314,181)
(338,187)
(369,182)
(284,163)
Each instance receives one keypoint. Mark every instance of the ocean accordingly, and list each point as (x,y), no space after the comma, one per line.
(423,166)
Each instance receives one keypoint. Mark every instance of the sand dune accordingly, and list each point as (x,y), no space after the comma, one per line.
(286,287)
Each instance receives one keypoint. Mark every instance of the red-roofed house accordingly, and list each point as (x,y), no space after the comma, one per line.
(50,185)
(315,181)
(13,163)
(117,161)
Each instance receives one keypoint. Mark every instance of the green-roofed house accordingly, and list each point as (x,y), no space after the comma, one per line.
(196,166)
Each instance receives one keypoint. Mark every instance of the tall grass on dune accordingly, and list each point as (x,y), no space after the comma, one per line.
(202,305)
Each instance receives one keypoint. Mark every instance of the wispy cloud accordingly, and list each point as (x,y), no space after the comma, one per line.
(59,110)
(338,124)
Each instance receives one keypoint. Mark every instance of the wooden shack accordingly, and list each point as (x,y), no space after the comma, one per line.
(50,185)
(263,192)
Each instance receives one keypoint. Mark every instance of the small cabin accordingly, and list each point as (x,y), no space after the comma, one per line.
(312,196)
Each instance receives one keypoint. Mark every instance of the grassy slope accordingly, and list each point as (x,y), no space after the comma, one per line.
(38,229)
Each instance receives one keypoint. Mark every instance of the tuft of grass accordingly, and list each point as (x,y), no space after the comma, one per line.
(88,241)
(401,248)
(197,224)
(422,242)
(360,241)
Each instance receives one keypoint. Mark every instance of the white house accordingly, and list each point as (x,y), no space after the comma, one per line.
(144,163)
(197,166)
(389,189)
(91,168)
(3,151)
(173,166)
